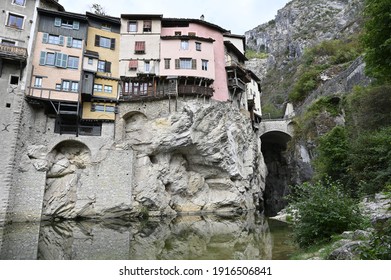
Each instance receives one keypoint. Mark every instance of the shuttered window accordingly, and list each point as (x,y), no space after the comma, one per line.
(186,63)
(147,26)
(139,47)
(104,42)
(133,64)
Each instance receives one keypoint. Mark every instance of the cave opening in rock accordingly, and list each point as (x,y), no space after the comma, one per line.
(274,146)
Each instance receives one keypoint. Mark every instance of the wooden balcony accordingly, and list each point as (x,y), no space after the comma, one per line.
(13,53)
(53,95)
(193,90)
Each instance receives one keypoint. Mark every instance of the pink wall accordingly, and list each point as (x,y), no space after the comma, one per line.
(217,57)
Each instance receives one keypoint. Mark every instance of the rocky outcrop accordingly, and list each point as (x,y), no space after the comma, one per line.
(300,24)
(200,159)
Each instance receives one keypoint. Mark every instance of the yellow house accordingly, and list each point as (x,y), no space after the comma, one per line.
(101,68)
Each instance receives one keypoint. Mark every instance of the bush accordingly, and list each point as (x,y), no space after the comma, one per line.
(379,247)
(322,210)
(307,82)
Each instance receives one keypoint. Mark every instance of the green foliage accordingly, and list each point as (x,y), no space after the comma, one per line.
(377,39)
(269,110)
(379,247)
(370,108)
(322,210)
(254,54)
(370,160)
(307,82)
(333,154)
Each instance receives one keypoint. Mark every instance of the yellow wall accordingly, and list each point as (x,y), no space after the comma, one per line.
(105,53)
(106,82)
(89,115)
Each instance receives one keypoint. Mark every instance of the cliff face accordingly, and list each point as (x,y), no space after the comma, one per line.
(300,24)
(199,158)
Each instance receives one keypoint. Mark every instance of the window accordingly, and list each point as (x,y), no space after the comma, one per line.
(98,87)
(132,26)
(135,88)
(147,26)
(73,62)
(61,60)
(67,23)
(104,42)
(110,109)
(58,86)
(198,46)
(15,21)
(139,47)
(74,43)
(53,39)
(19,2)
(74,86)
(177,33)
(50,59)
(184,45)
(167,63)
(38,82)
(147,67)
(8,42)
(90,61)
(99,108)
(104,66)
(108,89)
(185,63)
(65,85)
(192,34)
(205,65)
(106,27)
(133,65)
(14,80)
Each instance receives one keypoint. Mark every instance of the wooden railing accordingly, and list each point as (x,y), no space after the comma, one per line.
(195,90)
(13,52)
(50,94)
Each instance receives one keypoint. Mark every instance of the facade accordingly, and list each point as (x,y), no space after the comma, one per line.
(101,69)
(57,67)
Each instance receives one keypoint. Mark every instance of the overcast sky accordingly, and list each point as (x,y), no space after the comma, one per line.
(238,16)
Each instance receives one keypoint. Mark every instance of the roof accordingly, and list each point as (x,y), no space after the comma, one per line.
(110,19)
(62,14)
(141,16)
(91,54)
(171,22)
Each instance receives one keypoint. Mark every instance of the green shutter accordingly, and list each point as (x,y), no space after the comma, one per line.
(42,58)
(61,60)
(69,42)
(61,43)
(45,38)
(76,25)
(57,22)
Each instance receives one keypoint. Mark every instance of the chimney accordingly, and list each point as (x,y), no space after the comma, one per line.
(202,17)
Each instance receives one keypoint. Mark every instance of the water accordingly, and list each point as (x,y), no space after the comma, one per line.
(247,237)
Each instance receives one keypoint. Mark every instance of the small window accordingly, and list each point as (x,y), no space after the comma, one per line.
(101,66)
(90,61)
(184,45)
(38,82)
(66,85)
(14,80)
(147,66)
(104,42)
(106,27)
(15,21)
(58,86)
(99,108)
(108,89)
(132,26)
(77,43)
(110,109)
(98,87)
(178,33)
(167,63)
(74,86)
(73,62)
(8,105)
(139,47)
(198,46)
(192,34)
(19,2)
(205,65)
(147,26)
(50,58)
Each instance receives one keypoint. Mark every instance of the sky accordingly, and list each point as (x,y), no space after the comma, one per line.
(238,16)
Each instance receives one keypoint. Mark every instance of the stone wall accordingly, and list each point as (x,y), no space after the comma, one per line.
(158,158)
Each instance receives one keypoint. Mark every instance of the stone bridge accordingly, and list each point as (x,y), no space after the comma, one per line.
(279,131)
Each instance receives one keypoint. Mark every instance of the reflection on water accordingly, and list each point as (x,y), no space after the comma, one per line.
(184,238)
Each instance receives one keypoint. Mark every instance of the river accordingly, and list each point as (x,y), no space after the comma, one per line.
(246,237)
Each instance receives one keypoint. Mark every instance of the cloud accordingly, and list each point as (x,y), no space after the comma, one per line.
(235,15)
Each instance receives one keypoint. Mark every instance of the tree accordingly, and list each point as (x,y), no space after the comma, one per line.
(377,39)
(98,9)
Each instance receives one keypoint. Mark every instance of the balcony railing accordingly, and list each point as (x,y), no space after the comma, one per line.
(50,94)
(194,90)
(13,52)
